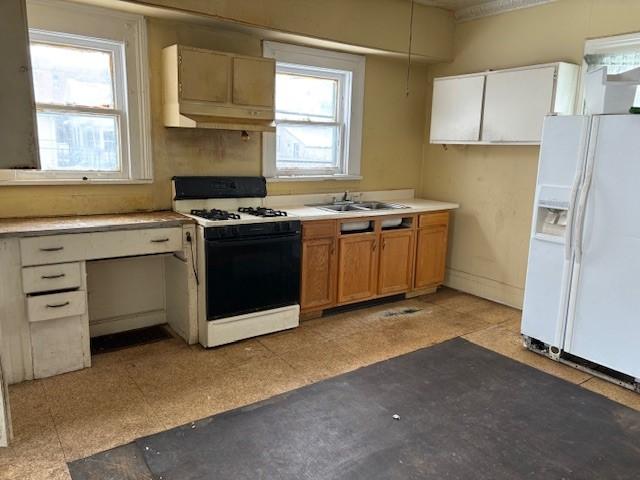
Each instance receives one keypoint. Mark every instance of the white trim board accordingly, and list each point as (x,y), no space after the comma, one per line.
(485,9)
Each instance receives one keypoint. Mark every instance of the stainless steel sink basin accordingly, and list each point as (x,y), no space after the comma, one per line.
(338,208)
(380,206)
(358,206)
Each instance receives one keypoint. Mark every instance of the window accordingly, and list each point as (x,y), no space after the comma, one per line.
(319,96)
(90,91)
(619,54)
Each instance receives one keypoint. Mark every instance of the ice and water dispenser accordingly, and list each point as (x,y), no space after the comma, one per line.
(552,212)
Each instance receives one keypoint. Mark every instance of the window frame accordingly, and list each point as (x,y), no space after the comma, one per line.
(294,59)
(602,45)
(62,23)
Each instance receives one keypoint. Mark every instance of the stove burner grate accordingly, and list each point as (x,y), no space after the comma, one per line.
(262,212)
(215,214)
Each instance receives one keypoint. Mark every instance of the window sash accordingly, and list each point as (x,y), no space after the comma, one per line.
(119,96)
(351,69)
(619,53)
(339,122)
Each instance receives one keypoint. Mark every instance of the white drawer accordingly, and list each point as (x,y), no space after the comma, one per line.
(48,278)
(52,249)
(56,305)
(91,246)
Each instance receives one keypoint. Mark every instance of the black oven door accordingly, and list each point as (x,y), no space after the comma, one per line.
(247,275)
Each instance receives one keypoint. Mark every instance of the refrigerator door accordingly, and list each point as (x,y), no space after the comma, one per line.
(560,173)
(604,314)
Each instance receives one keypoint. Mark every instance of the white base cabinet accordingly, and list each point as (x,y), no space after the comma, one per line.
(49,311)
(501,106)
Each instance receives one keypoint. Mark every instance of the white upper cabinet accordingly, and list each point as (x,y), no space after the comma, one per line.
(456,113)
(513,104)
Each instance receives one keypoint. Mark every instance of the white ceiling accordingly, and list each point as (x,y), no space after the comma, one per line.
(470,9)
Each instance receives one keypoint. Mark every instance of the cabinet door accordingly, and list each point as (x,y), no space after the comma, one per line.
(254,81)
(17,124)
(357,268)
(318,289)
(456,113)
(204,75)
(431,253)
(395,262)
(516,104)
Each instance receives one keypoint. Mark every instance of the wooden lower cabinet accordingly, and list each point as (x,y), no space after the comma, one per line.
(431,251)
(357,267)
(319,266)
(396,262)
(339,269)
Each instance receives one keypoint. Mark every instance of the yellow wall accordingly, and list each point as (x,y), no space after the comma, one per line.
(370,23)
(495,185)
(392,132)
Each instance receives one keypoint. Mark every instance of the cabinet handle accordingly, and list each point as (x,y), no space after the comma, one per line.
(52,277)
(160,240)
(384,244)
(58,305)
(51,249)
(375,244)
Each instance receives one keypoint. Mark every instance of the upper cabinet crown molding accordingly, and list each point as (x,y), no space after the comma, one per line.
(210,89)
(501,106)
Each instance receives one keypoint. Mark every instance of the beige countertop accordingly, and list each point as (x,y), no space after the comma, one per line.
(414,205)
(26,227)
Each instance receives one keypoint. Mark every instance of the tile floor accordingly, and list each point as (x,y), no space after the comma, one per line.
(143,390)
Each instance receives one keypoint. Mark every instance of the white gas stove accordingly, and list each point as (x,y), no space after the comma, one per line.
(248,258)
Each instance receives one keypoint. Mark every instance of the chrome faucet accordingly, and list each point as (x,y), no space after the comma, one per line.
(347,197)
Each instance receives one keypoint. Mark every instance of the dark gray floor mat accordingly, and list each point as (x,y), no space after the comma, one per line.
(464,413)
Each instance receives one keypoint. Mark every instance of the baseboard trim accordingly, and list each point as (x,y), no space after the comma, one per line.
(485,288)
(127,322)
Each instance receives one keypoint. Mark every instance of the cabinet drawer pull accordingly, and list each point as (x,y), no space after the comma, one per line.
(160,240)
(375,245)
(53,277)
(58,305)
(51,249)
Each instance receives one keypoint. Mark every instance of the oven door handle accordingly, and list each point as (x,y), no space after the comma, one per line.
(240,242)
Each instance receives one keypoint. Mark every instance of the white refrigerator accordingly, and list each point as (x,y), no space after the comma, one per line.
(582,293)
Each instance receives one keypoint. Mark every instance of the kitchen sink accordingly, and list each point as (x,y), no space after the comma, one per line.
(380,206)
(358,206)
(338,208)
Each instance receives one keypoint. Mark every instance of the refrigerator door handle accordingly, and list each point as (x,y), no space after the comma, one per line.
(575,193)
(584,194)
(572,206)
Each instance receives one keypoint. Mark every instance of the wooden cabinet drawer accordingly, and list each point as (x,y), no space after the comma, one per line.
(438,218)
(56,305)
(51,277)
(90,246)
(318,229)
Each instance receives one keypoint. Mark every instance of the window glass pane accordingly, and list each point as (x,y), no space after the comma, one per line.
(306,98)
(616,62)
(307,147)
(64,75)
(72,141)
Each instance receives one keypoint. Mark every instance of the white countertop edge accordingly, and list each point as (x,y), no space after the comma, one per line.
(305,213)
